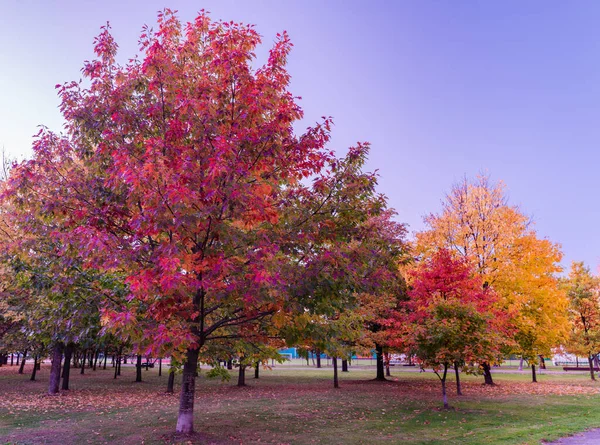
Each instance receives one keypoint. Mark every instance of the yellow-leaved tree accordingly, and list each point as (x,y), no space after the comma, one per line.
(477,223)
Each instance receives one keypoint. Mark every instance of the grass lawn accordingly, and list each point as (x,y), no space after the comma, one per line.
(297,405)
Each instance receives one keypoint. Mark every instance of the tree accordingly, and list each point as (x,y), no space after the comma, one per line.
(583,291)
(533,293)
(451,316)
(173,172)
(478,224)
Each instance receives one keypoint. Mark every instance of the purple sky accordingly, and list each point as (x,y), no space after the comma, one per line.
(441,89)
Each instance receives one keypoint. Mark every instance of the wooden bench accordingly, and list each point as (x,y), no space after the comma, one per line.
(575,368)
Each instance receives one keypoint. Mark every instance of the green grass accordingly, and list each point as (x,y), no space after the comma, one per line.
(299,406)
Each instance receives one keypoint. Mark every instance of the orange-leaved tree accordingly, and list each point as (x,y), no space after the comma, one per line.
(478,224)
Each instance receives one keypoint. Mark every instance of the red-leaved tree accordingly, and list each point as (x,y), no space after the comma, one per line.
(172,172)
(450,320)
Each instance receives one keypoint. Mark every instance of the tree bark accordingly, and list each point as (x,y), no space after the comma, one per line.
(57,355)
(380,371)
(444,395)
(96,355)
(230,364)
(138,369)
(83,359)
(242,376)
(344,365)
(105,358)
(171,382)
(533,376)
(23,362)
(160,367)
(116,365)
(591,363)
(34,372)
(386,357)
(185,419)
(318,354)
(120,354)
(487,374)
(542,362)
(457,374)
(67,367)
(12,359)
(18,356)
(336,383)
(147,363)
(256,370)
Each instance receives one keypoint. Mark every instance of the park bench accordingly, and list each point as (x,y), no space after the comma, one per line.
(148,364)
(578,368)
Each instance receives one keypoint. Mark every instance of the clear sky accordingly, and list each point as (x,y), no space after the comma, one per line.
(441,89)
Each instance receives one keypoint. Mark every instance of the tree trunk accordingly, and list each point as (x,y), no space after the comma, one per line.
(521,363)
(18,356)
(256,370)
(242,376)
(386,358)
(533,376)
(83,358)
(12,359)
(336,383)
(67,367)
(344,365)
(230,364)
(171,382)
(105,358)
(185,419)
(96,355)
(160,367)
(147,363)
(591,363)
(23,362)
(57,355)
(120,354)
(444,395)
(487,374)
(318,354)
(380,371)
(457,374)
(542,362)
(34,372)
(138,369)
